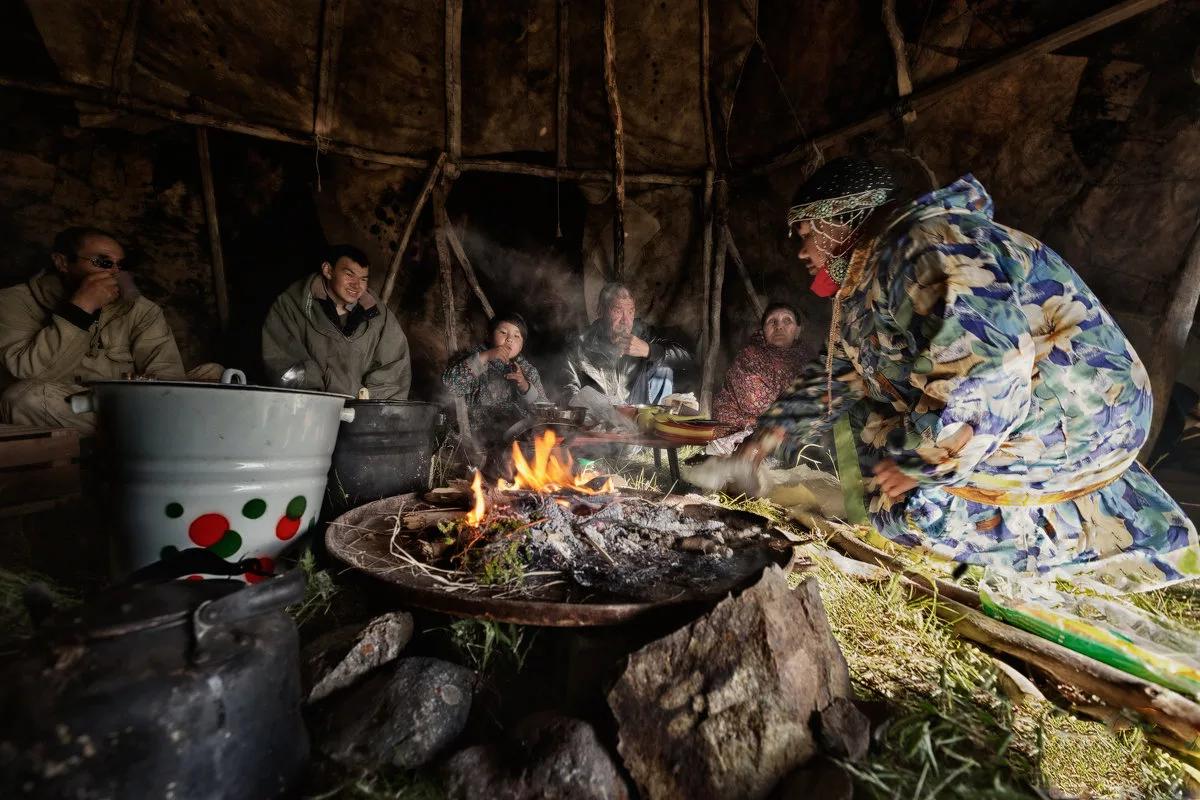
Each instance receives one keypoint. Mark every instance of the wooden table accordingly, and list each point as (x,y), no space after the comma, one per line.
(653,441)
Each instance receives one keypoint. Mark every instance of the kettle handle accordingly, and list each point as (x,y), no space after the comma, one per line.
(212,618)
(235,376)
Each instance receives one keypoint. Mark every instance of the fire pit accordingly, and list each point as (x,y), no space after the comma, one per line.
(555,547)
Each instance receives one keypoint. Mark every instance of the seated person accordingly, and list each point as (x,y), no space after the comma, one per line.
(762,370)
(328,333)
(619,359)
(80,321)
(500,385)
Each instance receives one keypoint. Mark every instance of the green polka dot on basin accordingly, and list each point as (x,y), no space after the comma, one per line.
(254,508)
(295,508)
(174,510)
(168,551)
(230,543)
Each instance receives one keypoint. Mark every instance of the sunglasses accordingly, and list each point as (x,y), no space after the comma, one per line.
(103,262)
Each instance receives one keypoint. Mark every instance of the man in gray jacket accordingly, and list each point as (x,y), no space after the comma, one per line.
(328,333)
(619,359)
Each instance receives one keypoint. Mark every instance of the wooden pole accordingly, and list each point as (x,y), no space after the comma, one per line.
(708,374)
(896,37)
(952,84)
(710,143)
(214,229)
(123,57)
(1171,339)
(618,140)
(446,279)
(134,105)
(706,211)
(564,85)
(461,254)
(454,12)
(755,300)
(410,224)
(332,20)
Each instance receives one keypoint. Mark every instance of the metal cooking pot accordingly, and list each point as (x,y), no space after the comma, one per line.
(187,689)
(386,450)
(237,469)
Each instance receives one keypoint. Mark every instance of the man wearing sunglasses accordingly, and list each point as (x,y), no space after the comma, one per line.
(79,321)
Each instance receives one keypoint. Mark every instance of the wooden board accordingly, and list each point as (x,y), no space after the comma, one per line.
(38,466)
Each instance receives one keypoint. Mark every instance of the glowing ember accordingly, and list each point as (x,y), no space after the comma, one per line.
(548,473)
(476,514)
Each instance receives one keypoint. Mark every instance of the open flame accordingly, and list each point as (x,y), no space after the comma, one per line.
(477,513)
(548,473)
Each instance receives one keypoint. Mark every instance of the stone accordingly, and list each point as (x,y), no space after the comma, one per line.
(341,657)
(722,707)
(843,730)
(404,715)
(548,756)
(819,779)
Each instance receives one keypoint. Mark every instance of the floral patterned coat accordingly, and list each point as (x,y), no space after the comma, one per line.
(979,361)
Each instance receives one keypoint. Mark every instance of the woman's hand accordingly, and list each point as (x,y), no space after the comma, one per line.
(760,445)
(894,483)
(518,377)
(501,352)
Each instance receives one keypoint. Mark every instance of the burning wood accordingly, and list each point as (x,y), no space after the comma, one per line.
(553,523)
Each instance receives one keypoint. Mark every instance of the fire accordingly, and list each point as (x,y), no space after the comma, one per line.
(476,514)
(548,473)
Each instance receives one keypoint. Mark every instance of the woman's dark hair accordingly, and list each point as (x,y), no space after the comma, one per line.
(771,309)
(336,251)
(511,317)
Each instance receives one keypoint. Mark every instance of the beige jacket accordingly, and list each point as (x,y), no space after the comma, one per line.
(37,342)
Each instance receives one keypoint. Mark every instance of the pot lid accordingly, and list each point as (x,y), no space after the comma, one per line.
(241,387)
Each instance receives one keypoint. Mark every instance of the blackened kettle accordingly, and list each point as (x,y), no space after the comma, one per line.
(187,689)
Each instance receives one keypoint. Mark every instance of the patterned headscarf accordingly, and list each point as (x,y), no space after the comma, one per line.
(844,190)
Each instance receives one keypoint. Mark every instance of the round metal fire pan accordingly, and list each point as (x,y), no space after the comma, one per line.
(361,536)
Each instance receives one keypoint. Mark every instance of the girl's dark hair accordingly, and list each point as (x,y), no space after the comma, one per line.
(771,309)
(512,317)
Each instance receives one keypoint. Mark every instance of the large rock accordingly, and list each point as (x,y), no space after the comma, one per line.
(548,756)
(341,657)
(403,716)
(722,707)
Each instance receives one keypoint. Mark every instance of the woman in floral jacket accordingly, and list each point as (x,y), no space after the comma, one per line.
(997,403)
(500,384)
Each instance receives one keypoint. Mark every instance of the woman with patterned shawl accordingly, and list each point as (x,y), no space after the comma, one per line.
(996,403)
(766,366)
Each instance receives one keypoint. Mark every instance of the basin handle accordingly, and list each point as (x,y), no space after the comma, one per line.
(232,375)
(347,415)
(82,402)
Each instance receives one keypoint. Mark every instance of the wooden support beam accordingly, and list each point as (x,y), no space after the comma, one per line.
(564,84)
(618,140)
(896,37)
(927,96)
(1171,339)
(133,105)
(461,254)
(220,289)
(709,372)
(545,171)
(755,300)
(333,18)
(126,45)
(710,142)
(706,214)
(454,13)
(446,281)
(389,283)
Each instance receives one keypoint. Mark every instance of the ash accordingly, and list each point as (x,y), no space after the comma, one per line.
(636,548)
